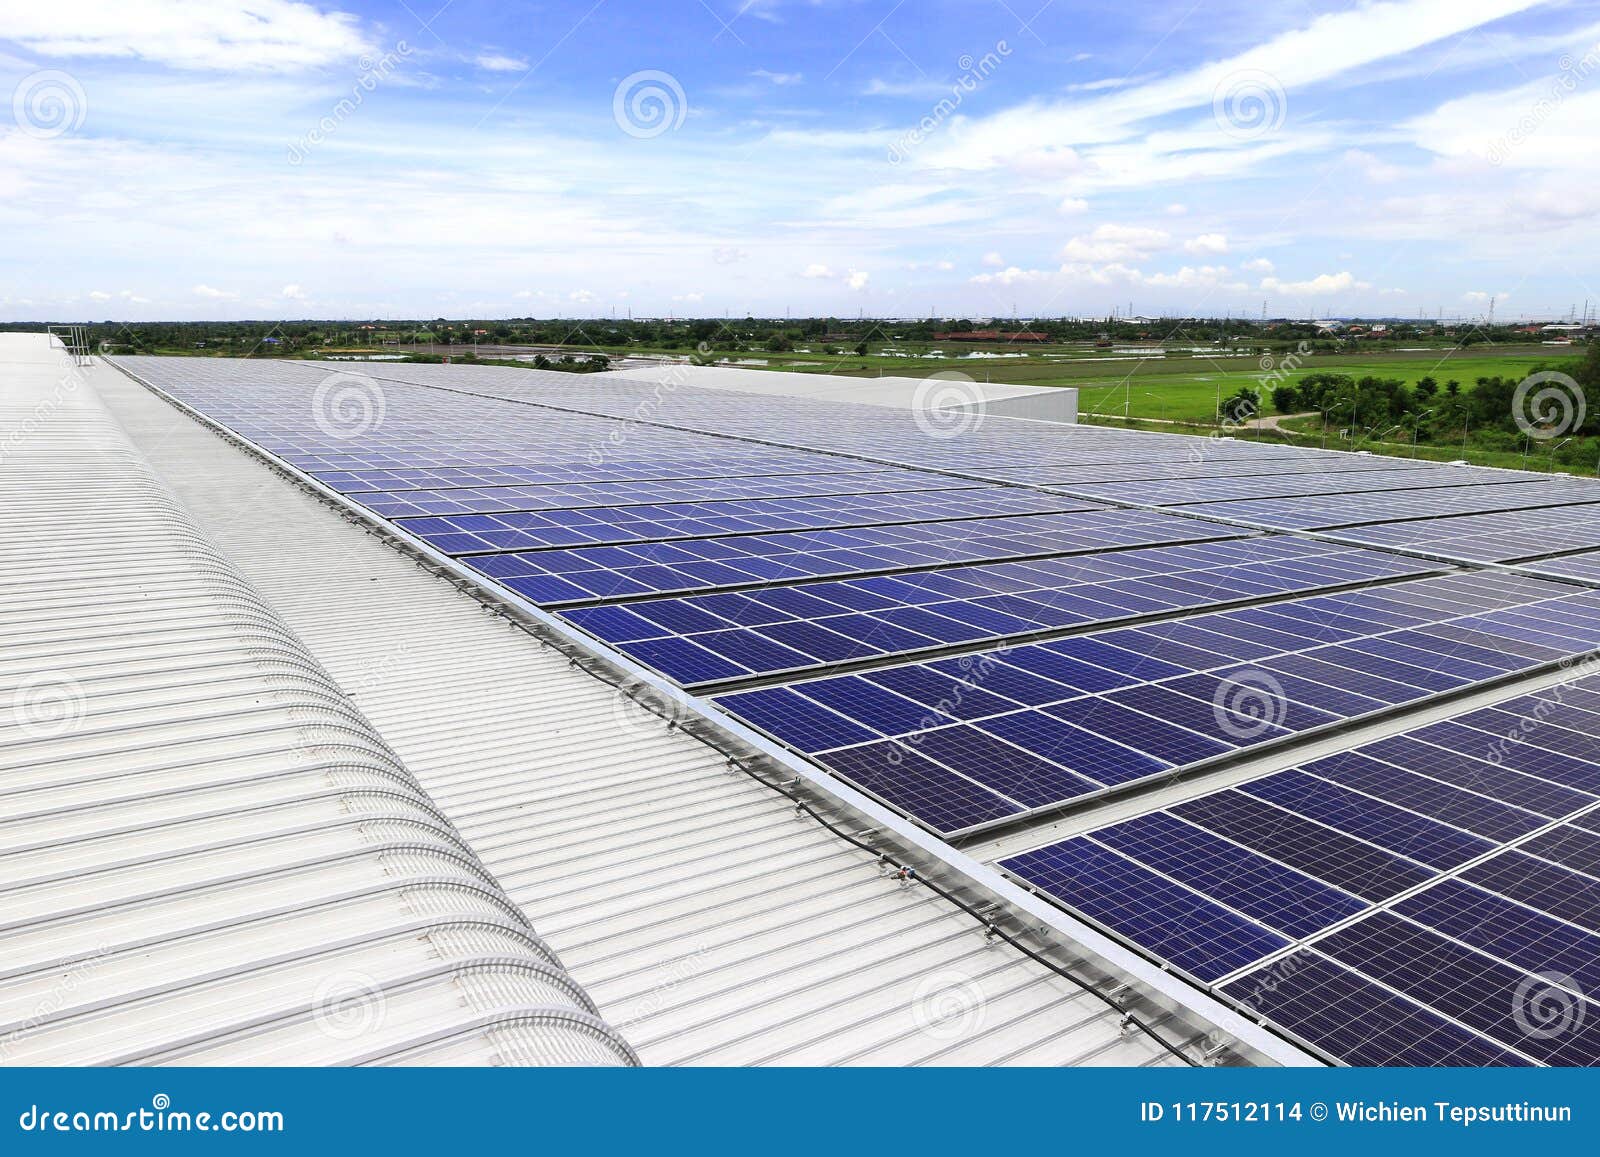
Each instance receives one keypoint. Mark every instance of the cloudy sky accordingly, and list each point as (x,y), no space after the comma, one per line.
(271,158)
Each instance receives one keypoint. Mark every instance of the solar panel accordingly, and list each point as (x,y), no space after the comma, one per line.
(931,610)
(1444,888)
(1016,640)
(1088,710)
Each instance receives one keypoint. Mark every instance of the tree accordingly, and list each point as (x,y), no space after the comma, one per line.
(1286,400)
(1242,406)
(861,349)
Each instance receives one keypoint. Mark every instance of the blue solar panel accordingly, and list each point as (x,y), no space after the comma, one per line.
(902,778)
(1343,861)
(795,720)
(1357,1021)
(1466,985)
(1403,832)
(1202,938)
(873,706)
(1003,767)
(1463,809)
(1508,931)
(1281,898)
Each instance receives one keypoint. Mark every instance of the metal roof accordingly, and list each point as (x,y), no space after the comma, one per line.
(711,923)
(207,853)
(953,389)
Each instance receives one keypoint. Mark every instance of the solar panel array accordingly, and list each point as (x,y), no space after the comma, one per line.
(984,625)
(794,629)
(1433,897)
(1063,721)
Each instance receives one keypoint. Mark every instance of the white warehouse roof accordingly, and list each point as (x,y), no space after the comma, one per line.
(953,390)
(207,853)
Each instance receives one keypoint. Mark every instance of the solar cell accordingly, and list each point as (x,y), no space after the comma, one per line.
(1198,936)
(1357,1021)
(714,549)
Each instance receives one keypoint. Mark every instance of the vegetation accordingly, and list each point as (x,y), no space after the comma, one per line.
(1415,388)
(1557,428)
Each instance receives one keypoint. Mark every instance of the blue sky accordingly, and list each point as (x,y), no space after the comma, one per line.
(213,159)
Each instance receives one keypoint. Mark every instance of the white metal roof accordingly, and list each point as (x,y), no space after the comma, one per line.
(207,854)
(710,922)
(955,389)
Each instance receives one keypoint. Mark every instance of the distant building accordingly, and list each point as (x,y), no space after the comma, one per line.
(990,335)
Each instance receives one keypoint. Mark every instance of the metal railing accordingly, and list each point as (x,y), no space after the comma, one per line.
(74,339)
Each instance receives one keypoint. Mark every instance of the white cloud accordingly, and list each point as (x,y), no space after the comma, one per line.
(1378,171)
(1072,205)
(994,260)
(1110,243)
(213,35)
(1207,243)
(690,298)
(1195,277)
(1323,285)
(495,62)
(858,279)
(99,295)
(294,293)
(780,79)
(1104,142)
(211,294)
(1258,265)
(580,296)
(1177,209)
(816,272)
(1012,276)
(917,88)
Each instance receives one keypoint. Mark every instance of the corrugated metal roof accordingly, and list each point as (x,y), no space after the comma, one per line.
(710,922)
(207,854)
(951,389)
